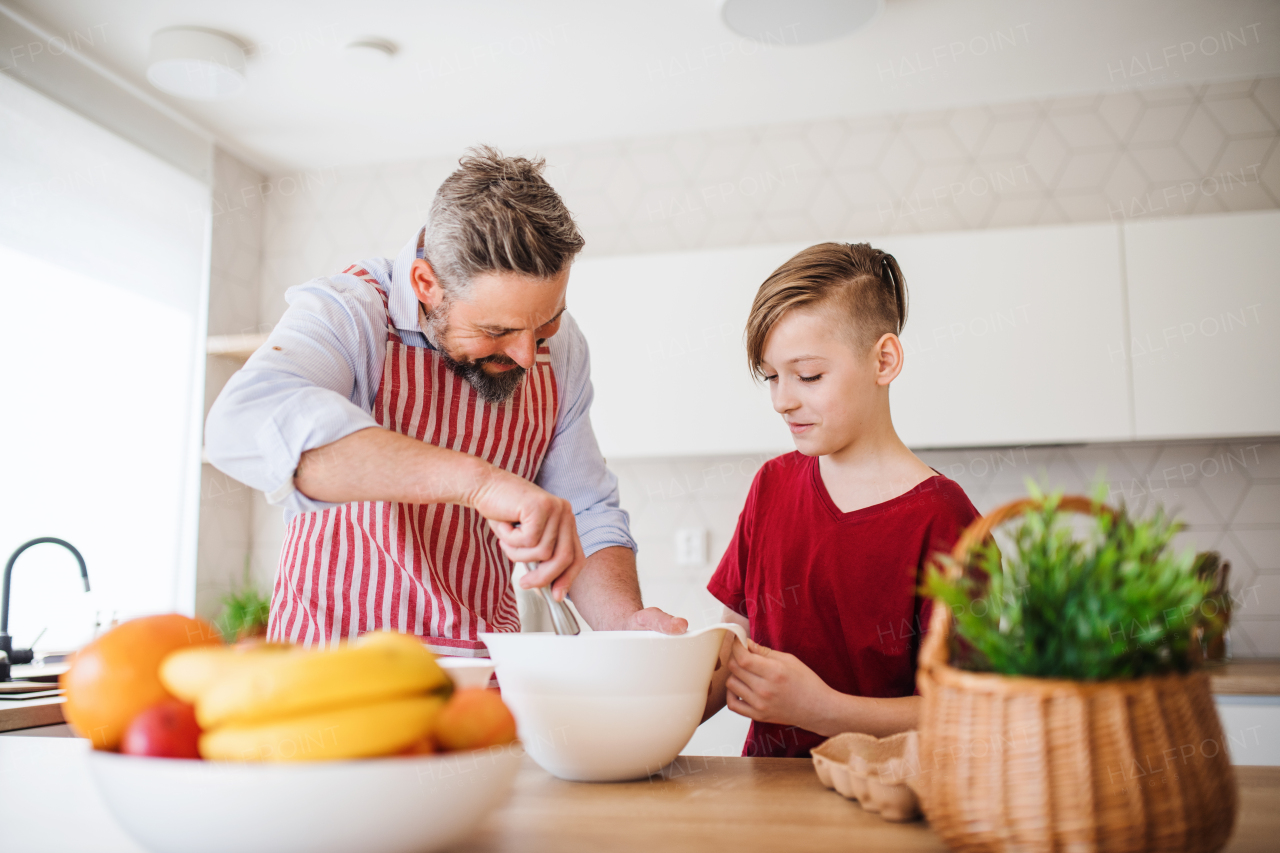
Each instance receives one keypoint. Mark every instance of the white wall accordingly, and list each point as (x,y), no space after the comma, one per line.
(226,506)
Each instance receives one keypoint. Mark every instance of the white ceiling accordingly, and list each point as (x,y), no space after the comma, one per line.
(521,75)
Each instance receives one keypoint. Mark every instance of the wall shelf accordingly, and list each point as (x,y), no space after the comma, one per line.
(238,347)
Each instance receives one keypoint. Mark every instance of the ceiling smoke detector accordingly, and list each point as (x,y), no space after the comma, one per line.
(370,53)
(195,63)
(792,22)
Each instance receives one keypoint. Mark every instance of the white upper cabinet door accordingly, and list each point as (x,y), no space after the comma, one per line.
(1013,337)
(667,356)
(1204,296)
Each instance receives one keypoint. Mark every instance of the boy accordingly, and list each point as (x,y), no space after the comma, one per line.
(832,544)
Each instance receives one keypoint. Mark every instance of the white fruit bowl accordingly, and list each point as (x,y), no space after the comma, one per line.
(400,804)
(606,706)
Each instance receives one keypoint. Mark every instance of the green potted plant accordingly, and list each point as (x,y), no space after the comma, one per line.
(1064,708)
(245,611)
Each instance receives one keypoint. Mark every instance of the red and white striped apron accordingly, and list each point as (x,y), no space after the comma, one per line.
(434,570)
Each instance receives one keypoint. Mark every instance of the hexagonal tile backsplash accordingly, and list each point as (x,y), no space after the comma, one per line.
(1228,494)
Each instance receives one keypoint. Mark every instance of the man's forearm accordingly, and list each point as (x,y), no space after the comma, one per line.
(607,593)
(380,465)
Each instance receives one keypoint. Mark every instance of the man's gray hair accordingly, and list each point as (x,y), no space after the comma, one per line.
(498,214)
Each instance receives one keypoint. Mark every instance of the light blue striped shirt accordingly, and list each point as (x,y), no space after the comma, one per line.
(316,380)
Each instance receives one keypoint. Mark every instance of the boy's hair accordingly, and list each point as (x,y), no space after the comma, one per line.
(858,286)
(498,214)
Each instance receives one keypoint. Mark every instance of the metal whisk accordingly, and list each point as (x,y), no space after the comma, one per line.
(562,619)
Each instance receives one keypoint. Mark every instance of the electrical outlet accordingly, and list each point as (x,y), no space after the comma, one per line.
(691,546)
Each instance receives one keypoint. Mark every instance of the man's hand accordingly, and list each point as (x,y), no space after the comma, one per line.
(775,687)
(375,464)
(607,595)
(653,619)
(532,526)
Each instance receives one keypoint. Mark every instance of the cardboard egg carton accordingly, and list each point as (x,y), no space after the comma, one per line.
(873,771)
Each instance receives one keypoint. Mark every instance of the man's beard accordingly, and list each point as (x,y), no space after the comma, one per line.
(493,388)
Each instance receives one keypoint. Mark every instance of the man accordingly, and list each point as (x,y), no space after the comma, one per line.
(425,421)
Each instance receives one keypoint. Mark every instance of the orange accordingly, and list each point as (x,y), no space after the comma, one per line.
(473,718)
(424,745)
(115,677)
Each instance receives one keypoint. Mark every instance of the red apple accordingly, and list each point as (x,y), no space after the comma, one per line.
(167,729)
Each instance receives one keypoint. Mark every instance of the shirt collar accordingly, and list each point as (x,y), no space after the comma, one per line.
(402,302)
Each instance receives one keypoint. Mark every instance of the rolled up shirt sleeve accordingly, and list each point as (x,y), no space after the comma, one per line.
(574,468)
(312,383)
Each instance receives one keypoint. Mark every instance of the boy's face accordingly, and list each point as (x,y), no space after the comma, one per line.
(827,391)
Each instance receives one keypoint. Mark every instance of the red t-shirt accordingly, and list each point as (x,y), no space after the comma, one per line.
(836,589)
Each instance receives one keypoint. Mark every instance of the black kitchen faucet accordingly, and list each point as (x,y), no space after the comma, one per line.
(8,654)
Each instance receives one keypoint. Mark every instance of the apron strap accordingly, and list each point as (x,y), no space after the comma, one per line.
(364,275)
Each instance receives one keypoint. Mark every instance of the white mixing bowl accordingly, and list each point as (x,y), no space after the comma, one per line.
(467,672)
(399,804)
(606,706)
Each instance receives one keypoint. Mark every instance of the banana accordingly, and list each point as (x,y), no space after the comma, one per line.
(267,687)
(356,731)
(393,638)
(188,673)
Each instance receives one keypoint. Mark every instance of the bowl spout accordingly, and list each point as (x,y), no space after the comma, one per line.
(732,627)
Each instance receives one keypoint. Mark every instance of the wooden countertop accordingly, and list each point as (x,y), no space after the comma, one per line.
(751,804)
(697,804)
(16,714)
(1253,677)
(26,713)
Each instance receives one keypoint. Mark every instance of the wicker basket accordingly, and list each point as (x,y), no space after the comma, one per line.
(1031,764)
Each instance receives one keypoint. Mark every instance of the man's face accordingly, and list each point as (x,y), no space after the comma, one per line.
(491,336)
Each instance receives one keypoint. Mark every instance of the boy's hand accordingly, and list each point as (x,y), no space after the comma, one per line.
(774,687)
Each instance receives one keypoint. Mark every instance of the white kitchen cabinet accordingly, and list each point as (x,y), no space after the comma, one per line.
(1013,337)
(1203,297)
(667,355)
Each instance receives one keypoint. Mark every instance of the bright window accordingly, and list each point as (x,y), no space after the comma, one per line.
(103,275)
